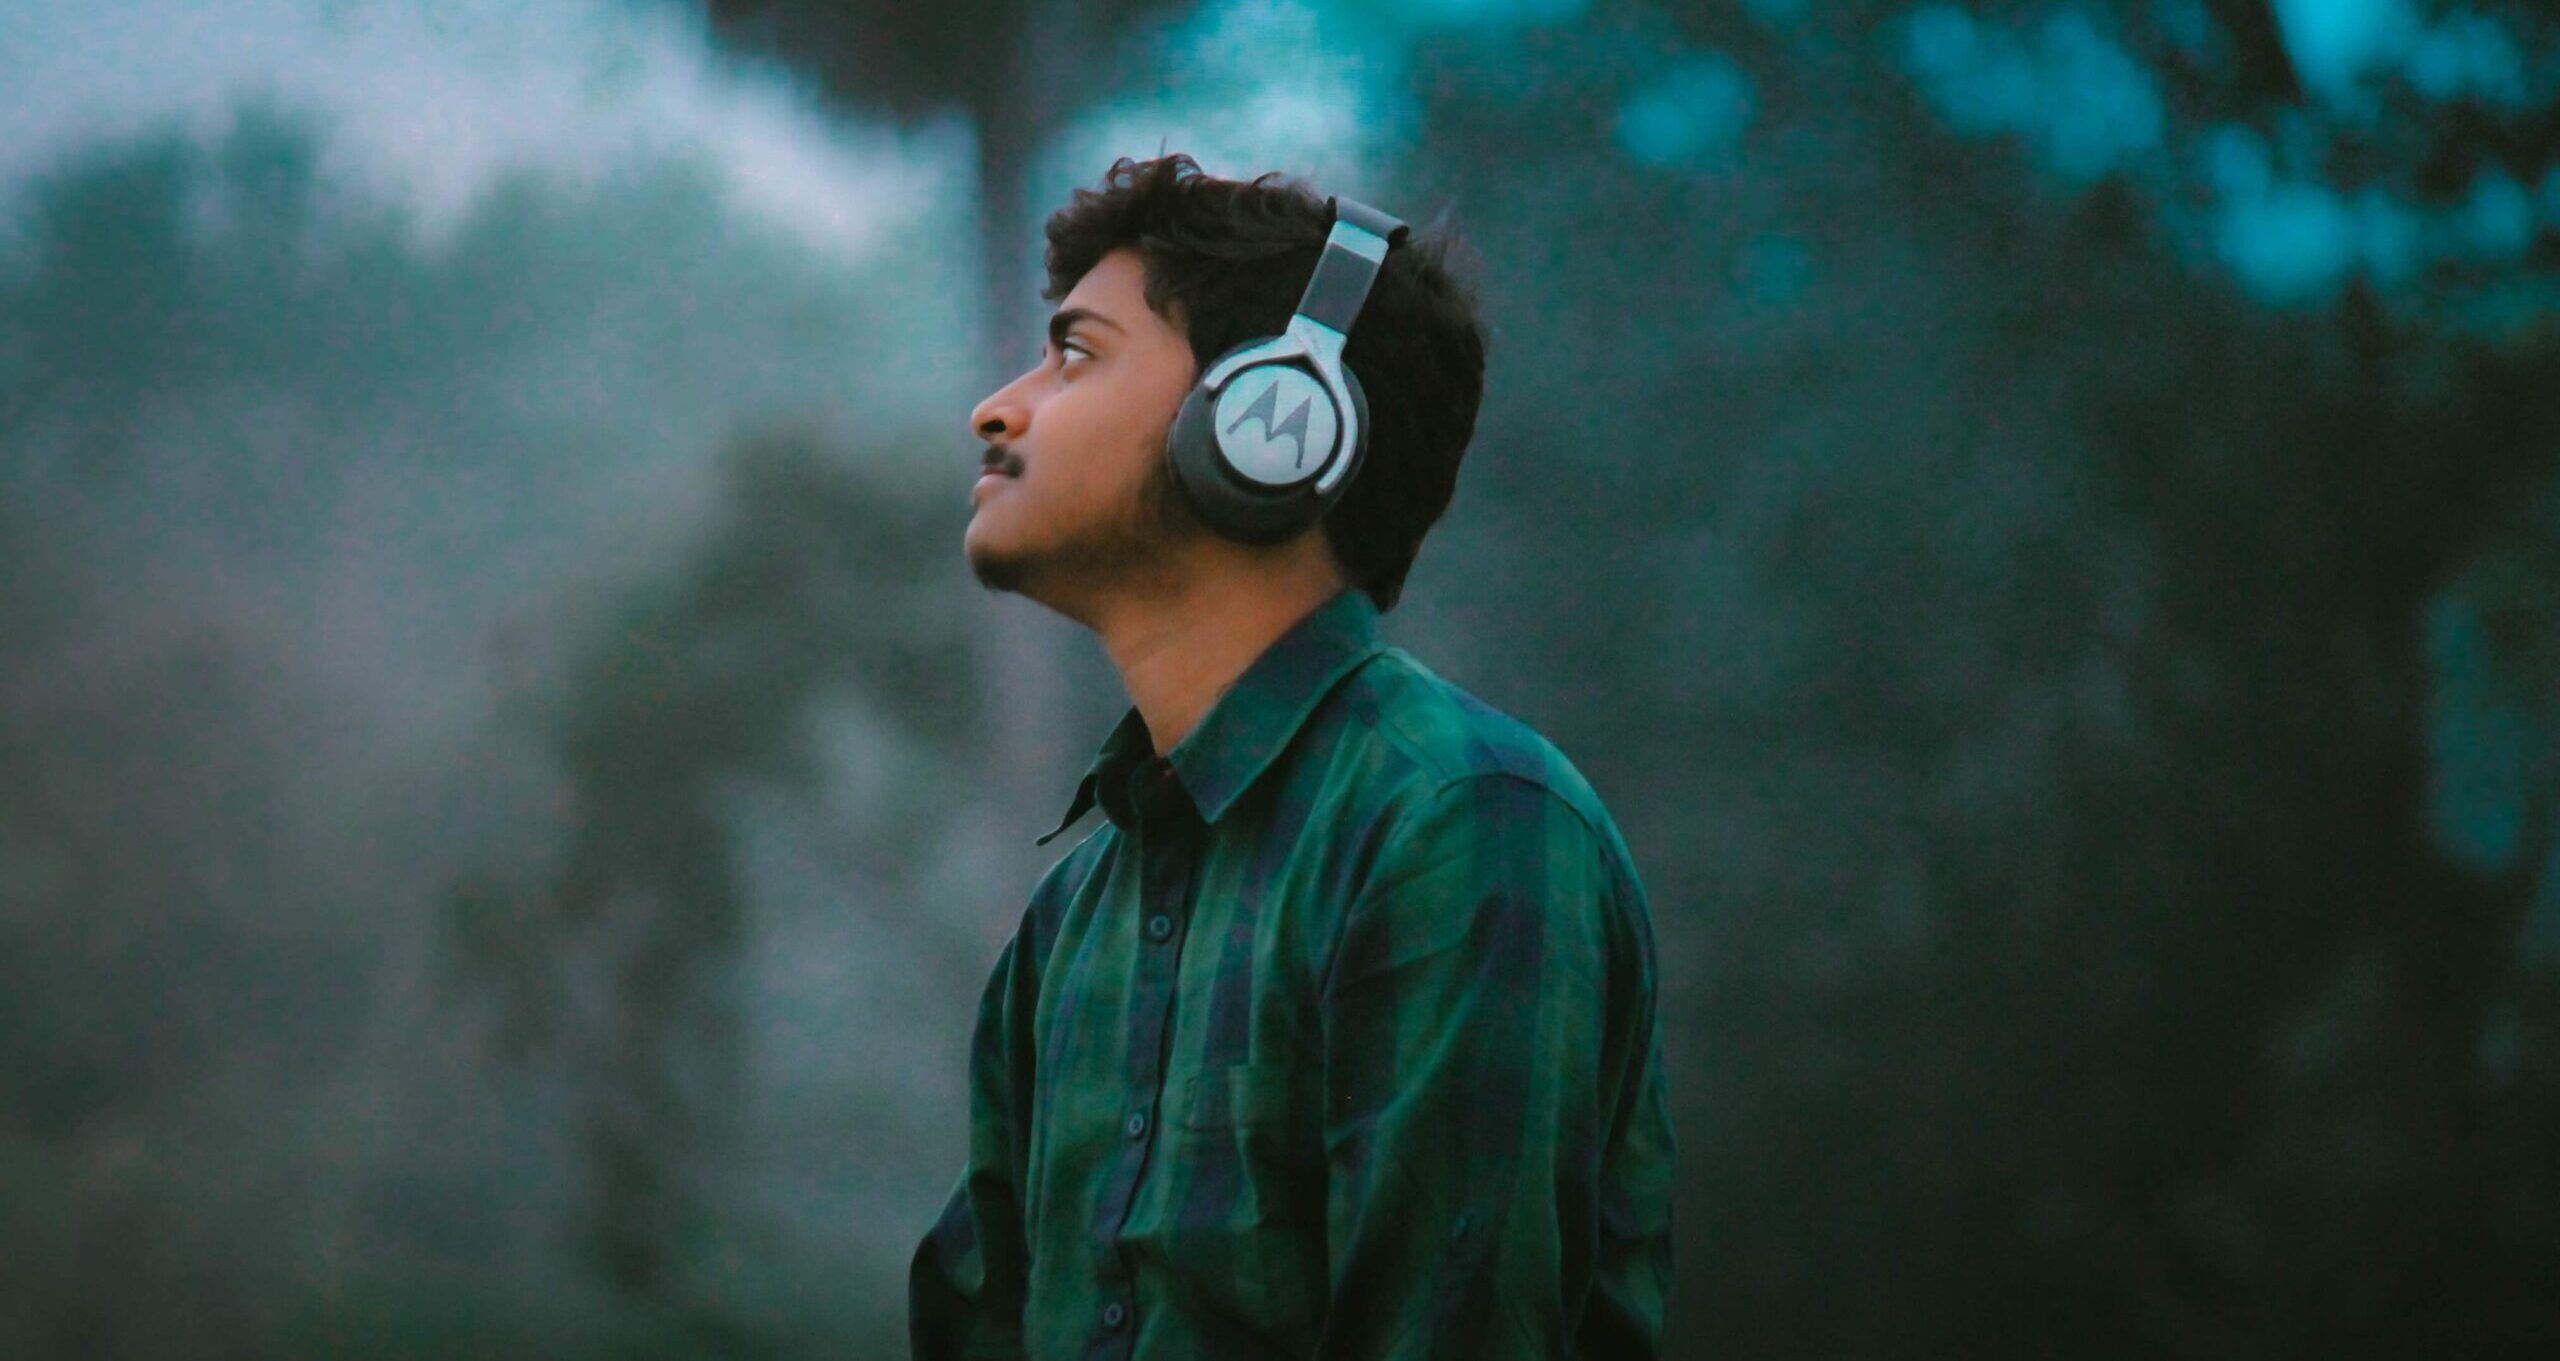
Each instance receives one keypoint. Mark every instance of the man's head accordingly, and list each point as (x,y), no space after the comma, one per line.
(1156,273)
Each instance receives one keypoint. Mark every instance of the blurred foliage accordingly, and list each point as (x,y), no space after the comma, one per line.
(2034,623)
(288,498)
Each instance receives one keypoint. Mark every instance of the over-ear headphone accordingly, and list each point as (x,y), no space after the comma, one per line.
(1270,436)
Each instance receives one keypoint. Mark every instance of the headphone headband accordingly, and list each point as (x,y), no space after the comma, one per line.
(1353,250)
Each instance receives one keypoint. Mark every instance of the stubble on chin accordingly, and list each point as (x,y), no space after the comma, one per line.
(996,572)
(1115,554)
(995,569)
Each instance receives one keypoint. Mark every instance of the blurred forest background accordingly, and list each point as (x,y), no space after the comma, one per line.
(2042,518)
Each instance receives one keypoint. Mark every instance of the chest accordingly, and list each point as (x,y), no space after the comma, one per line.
(1180,994)
(1180,956)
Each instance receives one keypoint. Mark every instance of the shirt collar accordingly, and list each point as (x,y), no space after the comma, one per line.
(1247,726)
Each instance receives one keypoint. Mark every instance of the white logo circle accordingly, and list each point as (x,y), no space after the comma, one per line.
(1276,424)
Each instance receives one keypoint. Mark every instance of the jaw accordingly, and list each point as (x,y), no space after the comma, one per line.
(1009,550)
(998,565)
(1074,547)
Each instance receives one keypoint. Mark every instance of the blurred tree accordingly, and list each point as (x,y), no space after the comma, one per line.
(265,462)
(165,944)
(618,963)
(1016,70)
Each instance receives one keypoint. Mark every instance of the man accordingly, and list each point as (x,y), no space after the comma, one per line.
(1336,1037)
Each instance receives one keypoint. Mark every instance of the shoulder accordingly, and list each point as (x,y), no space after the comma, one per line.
(1428,773)
(1455,756)
(1487,834)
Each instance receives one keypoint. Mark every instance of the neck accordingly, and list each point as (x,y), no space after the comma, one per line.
(1178,648)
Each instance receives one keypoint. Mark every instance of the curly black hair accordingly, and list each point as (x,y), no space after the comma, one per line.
(1225,261)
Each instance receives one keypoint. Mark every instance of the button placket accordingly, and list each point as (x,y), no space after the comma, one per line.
(1168,851)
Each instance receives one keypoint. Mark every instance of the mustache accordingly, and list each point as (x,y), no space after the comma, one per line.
(997,459)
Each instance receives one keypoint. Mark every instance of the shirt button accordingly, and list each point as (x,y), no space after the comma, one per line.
(1114,1314)
(1137,1125)
(1159,928)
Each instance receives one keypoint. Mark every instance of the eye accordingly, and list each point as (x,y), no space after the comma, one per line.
(1072,347)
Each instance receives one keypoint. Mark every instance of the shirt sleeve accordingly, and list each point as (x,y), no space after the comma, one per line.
(968,1278)
(1494,1115)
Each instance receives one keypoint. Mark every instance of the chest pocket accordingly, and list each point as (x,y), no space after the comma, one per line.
(1243,1154)
(1233,1210)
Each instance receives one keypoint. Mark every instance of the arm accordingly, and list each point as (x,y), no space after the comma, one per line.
(1492,1092)
(966,1283)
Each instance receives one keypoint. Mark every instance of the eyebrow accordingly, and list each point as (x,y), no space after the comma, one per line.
(1061,321)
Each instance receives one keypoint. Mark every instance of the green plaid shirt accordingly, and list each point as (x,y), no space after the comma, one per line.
(1336,1040)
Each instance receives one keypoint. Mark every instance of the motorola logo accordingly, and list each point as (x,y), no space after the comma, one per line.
(1281,433)
(1294,425)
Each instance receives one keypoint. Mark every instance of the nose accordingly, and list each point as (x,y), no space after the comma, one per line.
(1002,416)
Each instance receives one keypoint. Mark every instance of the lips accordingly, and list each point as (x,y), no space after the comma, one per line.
(998,464)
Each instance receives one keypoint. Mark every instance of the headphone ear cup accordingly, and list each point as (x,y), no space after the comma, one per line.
(1191,453)
(1233,505)
(1225,500)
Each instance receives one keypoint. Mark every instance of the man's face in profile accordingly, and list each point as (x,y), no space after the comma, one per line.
(1075,492)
